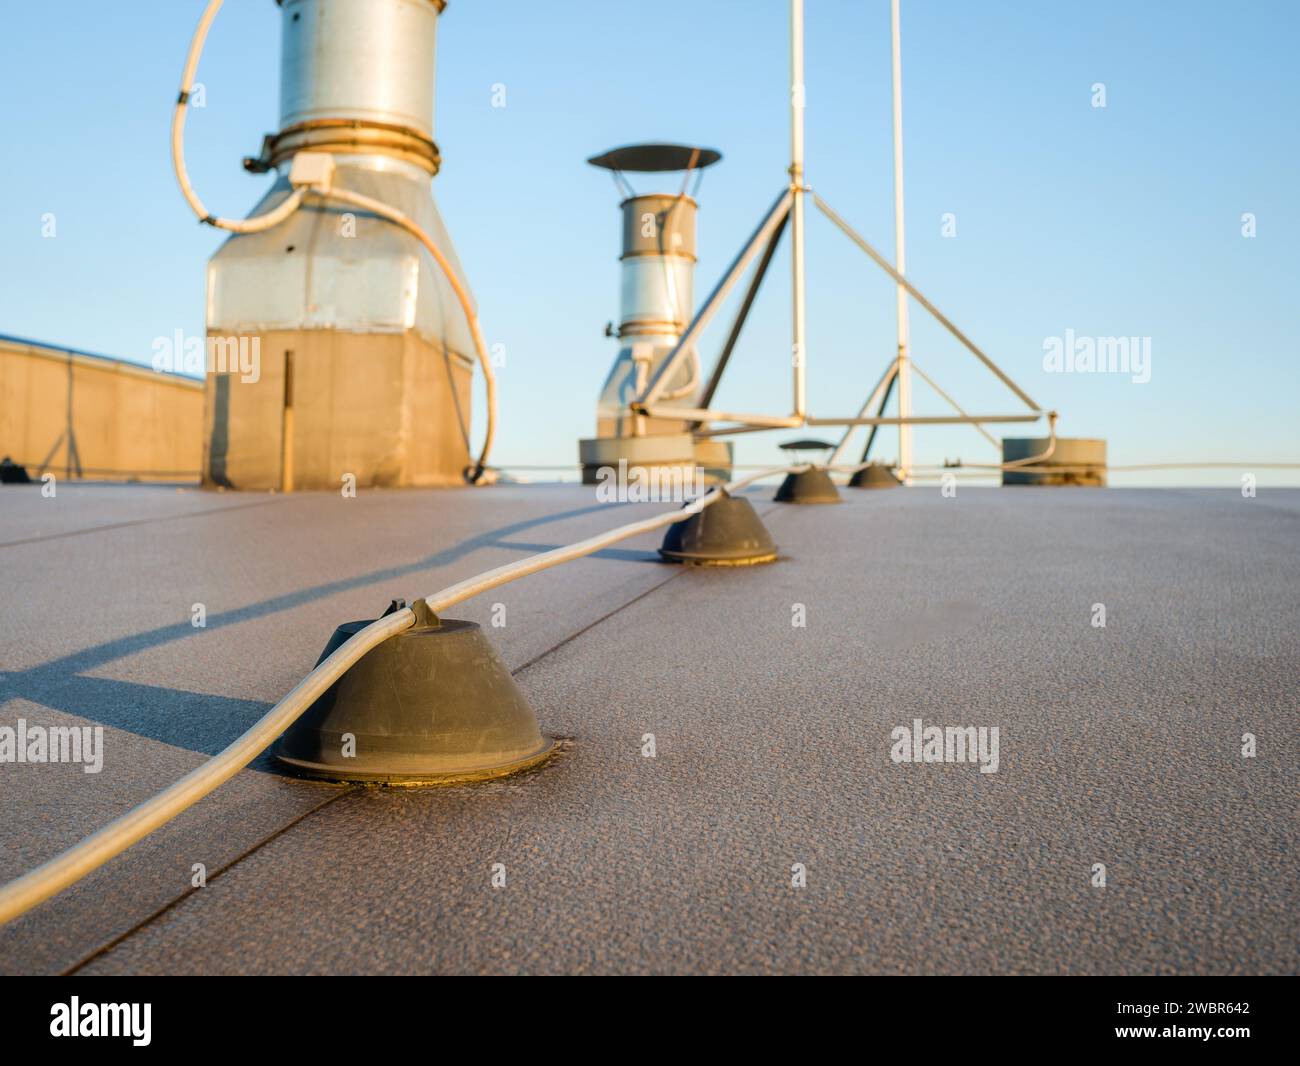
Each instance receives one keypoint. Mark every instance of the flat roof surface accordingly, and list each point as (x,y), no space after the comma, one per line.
(1119,745)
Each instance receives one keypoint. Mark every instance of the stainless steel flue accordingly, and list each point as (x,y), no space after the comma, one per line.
(657,290)
(365,354)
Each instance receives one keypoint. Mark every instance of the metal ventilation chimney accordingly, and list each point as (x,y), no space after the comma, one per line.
(657,303)
(365,356)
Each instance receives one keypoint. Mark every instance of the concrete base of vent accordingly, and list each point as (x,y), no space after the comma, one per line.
(813,485)
(1074,461)
(433,705)
(659,451)
(389,409)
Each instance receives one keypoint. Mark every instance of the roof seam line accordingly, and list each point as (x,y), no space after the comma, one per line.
(139,926)
(605,617)
(592,625)
(140,522)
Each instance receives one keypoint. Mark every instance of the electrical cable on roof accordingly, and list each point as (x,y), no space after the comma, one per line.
(70,866)
(273,217)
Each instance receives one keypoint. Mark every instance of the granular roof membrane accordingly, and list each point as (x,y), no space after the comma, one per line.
(772,741)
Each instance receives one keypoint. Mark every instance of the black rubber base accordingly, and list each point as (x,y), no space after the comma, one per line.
(13,474)
(813,485)
(726,533)
(433,705)
(874,476)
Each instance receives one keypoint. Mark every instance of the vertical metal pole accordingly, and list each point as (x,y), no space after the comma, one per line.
(904,370)
(642,356)
(799,354)
(67,464)
(286,427)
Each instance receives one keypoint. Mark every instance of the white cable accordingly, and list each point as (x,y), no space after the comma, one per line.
(273,217)
(70,866)
(1030,460)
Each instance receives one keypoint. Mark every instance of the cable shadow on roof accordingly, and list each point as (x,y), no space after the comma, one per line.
(202,722)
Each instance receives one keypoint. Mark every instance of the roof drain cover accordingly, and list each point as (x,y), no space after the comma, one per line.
(813,485)
(432,705)
(874,476)
(726,533)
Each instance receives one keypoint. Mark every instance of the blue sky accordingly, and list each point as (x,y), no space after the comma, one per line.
(1122,221)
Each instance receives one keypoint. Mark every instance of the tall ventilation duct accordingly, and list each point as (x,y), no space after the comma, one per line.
(365,355)
(657,304)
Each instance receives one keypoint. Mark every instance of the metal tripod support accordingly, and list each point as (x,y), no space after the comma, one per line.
(787,212)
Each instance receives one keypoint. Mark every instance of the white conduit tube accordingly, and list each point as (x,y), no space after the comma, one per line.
(294,200)
(70,866)
(1083,468)
(250,225)
(1030,460)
